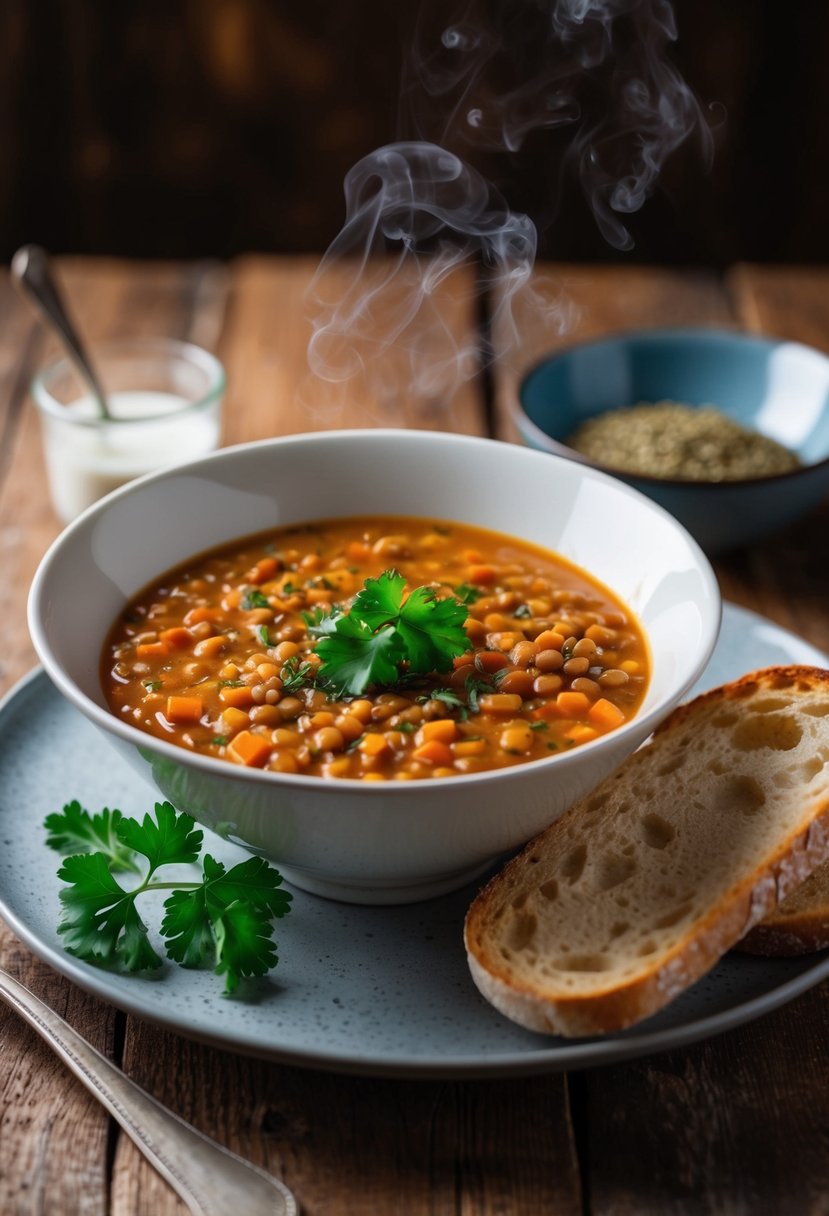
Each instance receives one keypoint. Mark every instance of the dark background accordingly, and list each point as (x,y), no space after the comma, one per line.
(191,128)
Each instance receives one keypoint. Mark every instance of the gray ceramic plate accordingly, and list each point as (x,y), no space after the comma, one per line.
(357,989)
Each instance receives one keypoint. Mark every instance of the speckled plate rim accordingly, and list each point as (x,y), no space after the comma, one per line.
(537,1054)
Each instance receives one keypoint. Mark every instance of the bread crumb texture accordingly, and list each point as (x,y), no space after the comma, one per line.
(643,885)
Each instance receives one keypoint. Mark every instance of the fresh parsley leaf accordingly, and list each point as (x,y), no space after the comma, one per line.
(320,623)
(354,657)
(230,916)
(168,838)
(74,830)
(263,635)
(225,920)
(382,630)
(254,598)
(99,922)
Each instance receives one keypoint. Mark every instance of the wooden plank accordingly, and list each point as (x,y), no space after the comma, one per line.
(577,304)
(54,1138)
(271,389)
(356,1146)
(735,1125)
(346,1145)
(785,577)
(783,301)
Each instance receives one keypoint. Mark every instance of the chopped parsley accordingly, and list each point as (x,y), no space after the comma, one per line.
(254,598)
(296,673)
(467,594)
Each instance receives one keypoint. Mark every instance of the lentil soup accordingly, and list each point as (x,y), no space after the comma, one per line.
(220,655)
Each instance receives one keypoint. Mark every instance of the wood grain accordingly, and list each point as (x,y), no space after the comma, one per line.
(578,304)
(272,390)
(54,1138)
(714,1128)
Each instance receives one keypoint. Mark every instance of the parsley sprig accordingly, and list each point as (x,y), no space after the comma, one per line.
(383,630)
(224,920)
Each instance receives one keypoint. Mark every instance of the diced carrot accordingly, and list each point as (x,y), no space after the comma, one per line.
(469,747)
(471,555)
(234,719)
(183,709)
(605,714)
(178,636)
(572,704)
(434,752)
(581,733)
(247,748)
(264,569)
(152,650)
(482,576)
(357,551)
(239,697)
(444,729)
(547,712)
(318,595)
(373,744)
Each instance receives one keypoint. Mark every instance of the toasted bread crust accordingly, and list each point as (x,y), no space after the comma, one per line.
(517,983)
(799,925)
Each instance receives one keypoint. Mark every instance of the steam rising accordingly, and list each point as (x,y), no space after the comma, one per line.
(483,85)
(428,212)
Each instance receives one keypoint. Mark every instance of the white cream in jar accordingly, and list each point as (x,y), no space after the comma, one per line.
(87,456)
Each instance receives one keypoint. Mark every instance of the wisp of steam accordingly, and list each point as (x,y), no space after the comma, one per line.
(417,210)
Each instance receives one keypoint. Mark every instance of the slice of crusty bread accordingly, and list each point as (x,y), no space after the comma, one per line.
(800,925)
(643,885)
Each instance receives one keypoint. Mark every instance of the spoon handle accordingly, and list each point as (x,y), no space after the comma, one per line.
(31,272)
(211,1180)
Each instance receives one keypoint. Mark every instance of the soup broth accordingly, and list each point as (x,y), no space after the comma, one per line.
(220,655)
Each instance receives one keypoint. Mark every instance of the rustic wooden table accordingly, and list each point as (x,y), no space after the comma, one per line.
(737,1124)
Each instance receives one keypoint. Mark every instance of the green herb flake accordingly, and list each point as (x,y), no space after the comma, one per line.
(254,598)
(296,673)
(467,594)
(153,685)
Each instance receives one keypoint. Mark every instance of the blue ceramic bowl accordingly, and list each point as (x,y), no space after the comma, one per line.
(778,388)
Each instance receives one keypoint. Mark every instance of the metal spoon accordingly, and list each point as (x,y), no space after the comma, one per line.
(210,1179)
(31,273)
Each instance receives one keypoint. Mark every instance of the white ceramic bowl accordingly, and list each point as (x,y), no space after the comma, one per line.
(387,842)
